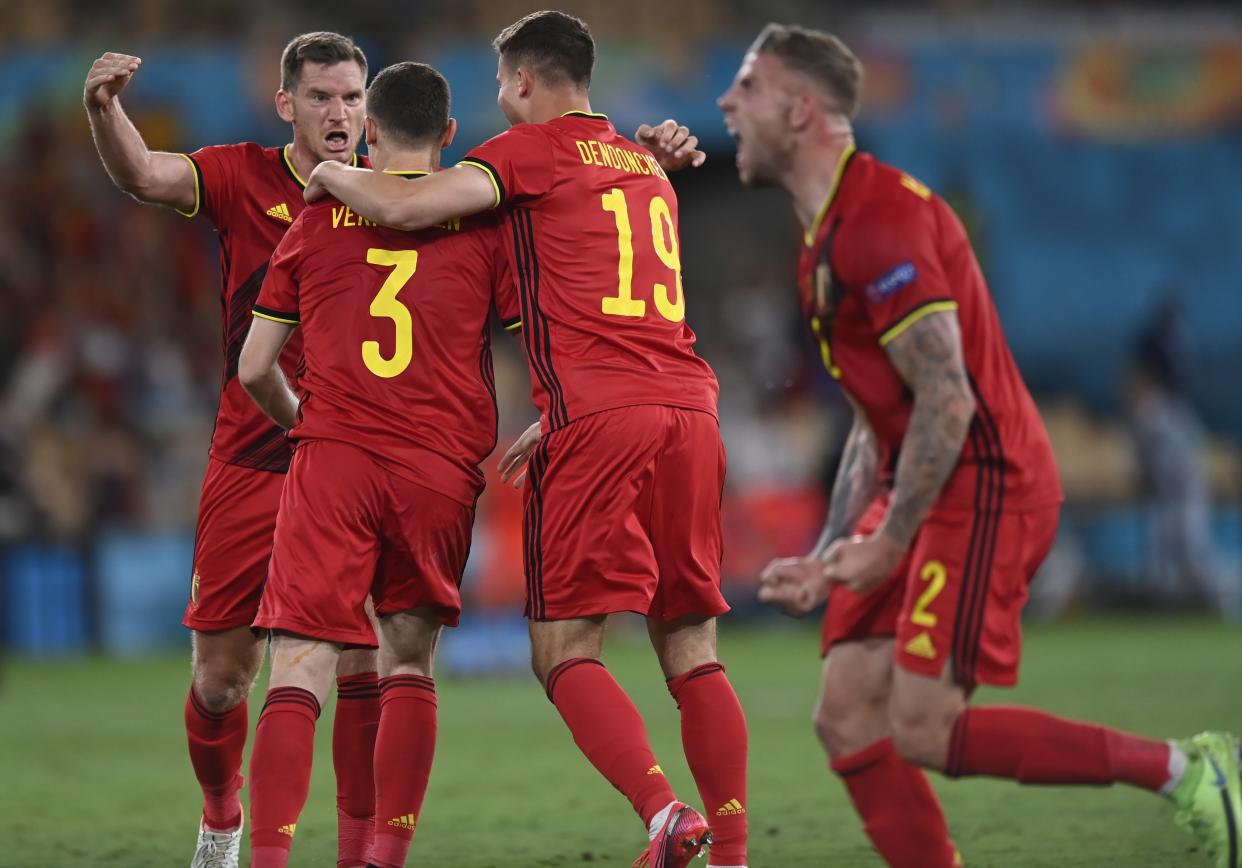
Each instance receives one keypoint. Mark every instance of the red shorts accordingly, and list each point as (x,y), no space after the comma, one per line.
(623,514)
(957,597)
(232,545)
(349,528)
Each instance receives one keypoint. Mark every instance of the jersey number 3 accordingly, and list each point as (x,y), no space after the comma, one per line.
(385,304)
(664,239)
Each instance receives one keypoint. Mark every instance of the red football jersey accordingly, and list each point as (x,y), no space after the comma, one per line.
(884,252)
(593,245)
(396,340)
(251,195)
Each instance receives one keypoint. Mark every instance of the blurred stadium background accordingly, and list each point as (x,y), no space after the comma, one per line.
(1094,152)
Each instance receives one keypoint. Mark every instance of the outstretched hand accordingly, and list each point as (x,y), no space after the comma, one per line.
(794,585)
(674,148)
(107,77)
(513,463)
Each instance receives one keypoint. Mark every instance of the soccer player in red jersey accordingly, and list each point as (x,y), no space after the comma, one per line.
(397,410)
(251,195)
(947,497)
(622,503)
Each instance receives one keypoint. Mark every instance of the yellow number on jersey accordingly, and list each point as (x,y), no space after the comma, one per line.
(664,239)
(935,573)
(385,304)
(623,303)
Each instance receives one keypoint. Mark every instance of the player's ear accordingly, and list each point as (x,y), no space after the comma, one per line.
(449,132)
(525,82)
(370,130)
(800,111)
(284,105)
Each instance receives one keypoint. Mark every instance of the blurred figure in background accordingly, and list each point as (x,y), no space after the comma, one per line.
(1182,563)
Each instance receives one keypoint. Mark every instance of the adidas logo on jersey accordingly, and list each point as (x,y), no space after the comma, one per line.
(288,830)
(655,770)
(406,821)
(280,212)
(733,806)
(921,646)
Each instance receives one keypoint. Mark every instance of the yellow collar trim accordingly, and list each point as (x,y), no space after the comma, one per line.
(406,173)
(809,236)
(577,114)
(353,161)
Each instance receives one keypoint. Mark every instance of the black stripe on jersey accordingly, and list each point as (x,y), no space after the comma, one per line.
(536,608)
(558,414)
(268,450)
(989,495)
(491,170)
(524,299)
(238,318)
(966,598)
(538,349)
(288,317)
(992,435)
(486,369)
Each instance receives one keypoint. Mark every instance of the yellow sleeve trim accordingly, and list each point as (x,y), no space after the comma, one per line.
(291,322)
(486,170)
(914,316)
(198,194)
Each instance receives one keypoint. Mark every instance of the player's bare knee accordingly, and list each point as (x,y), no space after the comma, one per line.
(683,644)
(356,661)
(222,689)
(408,642)
(846,724)
(921,734)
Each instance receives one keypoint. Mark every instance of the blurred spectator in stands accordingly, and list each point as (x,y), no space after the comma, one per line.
(1182,563)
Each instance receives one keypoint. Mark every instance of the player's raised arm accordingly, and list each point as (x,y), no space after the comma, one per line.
(390,201)
(259,371)
(149,176)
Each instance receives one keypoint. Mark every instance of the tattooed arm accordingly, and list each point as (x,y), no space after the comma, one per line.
(854,486)
(928,356)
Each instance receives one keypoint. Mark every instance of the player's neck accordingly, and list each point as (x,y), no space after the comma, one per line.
(421,160)
(304,161)
(812,173)
(555,104)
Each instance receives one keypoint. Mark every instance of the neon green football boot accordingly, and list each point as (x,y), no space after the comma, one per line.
(1209,796)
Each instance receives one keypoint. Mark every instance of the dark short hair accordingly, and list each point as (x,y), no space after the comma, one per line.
(410,102)
(319,47)
(822,57)
(556,46)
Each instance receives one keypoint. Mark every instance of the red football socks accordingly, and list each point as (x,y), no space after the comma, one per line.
(353,757)
(1034,747)
(713,734)
(403,754)
(898,807)
(609,731)
(216,743)
(280,768)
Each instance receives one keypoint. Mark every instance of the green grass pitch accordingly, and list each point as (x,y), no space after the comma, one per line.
(94,770)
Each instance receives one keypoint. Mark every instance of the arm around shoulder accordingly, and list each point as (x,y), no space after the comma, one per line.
(402,204)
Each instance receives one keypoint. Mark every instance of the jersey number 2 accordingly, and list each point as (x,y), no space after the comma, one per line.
(385,304)
(664,239)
